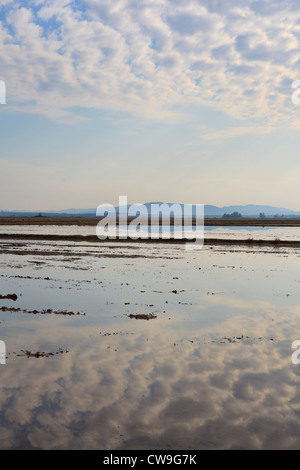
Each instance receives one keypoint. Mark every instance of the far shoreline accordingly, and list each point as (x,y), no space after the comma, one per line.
(93,221)
(208,221)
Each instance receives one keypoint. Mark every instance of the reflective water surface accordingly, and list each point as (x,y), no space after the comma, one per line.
(239,232)
(132,346)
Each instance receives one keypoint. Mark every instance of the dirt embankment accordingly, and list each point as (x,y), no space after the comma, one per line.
(6,248)
(93,221)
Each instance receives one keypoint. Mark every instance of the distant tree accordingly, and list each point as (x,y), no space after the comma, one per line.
(233,215)
(262,215)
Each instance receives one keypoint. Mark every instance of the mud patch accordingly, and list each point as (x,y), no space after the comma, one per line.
(37,354)
(143,316)
(9,296)
(236,339)
(41,312)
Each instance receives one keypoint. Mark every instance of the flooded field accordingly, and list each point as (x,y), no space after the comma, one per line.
(131,346)
(238,232)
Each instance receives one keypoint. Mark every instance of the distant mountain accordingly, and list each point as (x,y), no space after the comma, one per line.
(76,211)
(250,210)
(67,213)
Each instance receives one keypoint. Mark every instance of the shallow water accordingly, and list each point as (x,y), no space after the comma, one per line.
(210,369)
(241,233)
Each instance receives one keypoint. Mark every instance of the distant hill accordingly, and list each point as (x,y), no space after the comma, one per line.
(66,213)
(250,210)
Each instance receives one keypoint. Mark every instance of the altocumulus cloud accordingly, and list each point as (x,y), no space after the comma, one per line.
(151,58)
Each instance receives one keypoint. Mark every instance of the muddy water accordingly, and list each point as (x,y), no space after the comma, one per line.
(132,346)
(241,233)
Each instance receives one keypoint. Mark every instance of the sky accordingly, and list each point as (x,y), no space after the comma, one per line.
(184,101)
